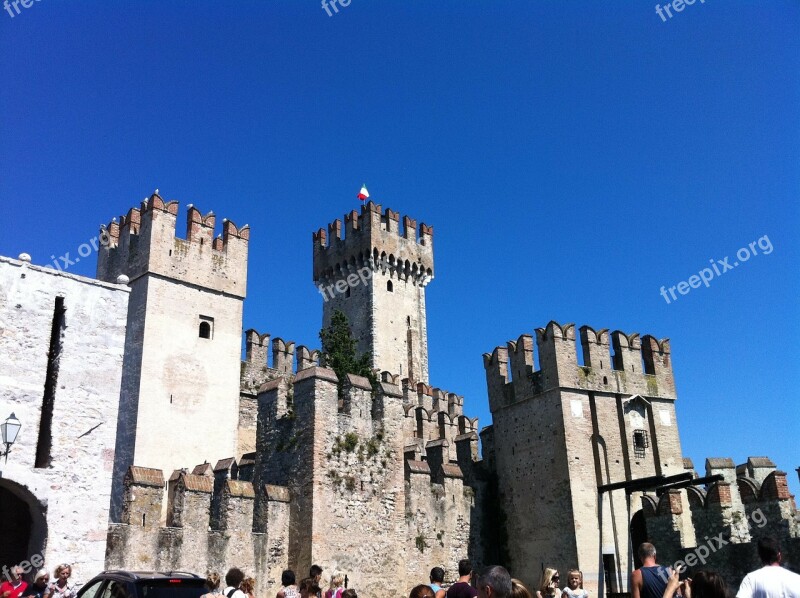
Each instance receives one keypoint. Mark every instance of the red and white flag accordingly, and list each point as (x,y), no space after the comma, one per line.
(363,194)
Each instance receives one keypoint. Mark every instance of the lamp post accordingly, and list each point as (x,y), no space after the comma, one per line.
(10,429)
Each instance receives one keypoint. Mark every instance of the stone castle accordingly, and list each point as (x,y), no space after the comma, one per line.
(266,464)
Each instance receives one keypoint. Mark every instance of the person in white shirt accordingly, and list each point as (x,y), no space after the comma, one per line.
(233,578)
(772,580)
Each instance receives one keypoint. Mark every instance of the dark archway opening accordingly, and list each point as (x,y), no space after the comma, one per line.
(15,528)
(23,527)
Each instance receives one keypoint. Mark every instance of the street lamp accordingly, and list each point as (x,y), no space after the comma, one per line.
(10,429)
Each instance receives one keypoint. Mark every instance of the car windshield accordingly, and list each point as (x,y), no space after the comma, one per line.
(171,588)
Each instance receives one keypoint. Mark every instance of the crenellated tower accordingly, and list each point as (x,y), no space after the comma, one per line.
(376,274)
(562,428)
(180,387)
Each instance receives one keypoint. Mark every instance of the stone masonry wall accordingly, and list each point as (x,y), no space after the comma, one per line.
(377,277)
(563,429)
(194,540)
(69,503)
(185,320)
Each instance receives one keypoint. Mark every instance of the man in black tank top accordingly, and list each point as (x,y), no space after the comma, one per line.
(650,579)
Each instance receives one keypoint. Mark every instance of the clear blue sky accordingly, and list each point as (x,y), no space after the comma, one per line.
(573,157)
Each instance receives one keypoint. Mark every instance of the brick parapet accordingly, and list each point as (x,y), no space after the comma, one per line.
(638,366)
(373,239)
(145,242)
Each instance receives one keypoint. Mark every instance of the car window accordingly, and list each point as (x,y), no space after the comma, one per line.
(171,588)
(91,590)
(117,589)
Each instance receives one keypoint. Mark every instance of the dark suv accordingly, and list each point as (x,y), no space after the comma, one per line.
(144,584)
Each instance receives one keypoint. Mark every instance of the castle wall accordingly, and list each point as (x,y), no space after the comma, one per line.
(727,519)
(182,360)
(562,430)
(190,380)
(194,541)
(69,507)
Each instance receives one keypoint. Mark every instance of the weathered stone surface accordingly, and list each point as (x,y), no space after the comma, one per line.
(68,496)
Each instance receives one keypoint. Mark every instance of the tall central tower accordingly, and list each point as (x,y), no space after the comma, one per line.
(377,276)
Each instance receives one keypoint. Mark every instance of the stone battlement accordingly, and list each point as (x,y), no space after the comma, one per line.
(209,523)
(145,241)
(638,365)
(287,359)
(738,509)
(373,239)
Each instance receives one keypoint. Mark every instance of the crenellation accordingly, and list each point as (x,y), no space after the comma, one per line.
(558,360)
(283,355)
(627,352)
(596,354)
(757,468)
(199,228)
(496,365)
(306,357)
(522,366)
(145,242)
(409,228)
(142,503)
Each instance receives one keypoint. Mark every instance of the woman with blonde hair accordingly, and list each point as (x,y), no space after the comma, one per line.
(337,585)
(60,588)
(518,589)
(548,585)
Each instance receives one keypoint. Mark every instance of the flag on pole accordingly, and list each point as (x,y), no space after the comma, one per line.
(363,194)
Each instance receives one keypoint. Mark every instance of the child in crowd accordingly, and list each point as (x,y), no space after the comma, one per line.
(289,589)
(574,587)
(337,585)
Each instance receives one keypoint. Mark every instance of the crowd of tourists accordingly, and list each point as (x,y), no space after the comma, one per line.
(651,580)
(14,586)
(772,580)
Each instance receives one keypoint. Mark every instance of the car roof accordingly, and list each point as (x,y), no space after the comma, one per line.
(145,575)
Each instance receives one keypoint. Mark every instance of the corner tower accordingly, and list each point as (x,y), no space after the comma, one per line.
(377,275)
(180,384)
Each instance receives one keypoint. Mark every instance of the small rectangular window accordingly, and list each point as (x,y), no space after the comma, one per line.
(206,328)
(640,443)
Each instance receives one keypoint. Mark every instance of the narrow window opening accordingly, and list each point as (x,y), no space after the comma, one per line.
(389,286)
(170,399)
(605,380)
(640,443)
(408,321)
(143,519)
(610,573)
(205,330)
(44,442)
(170,252)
